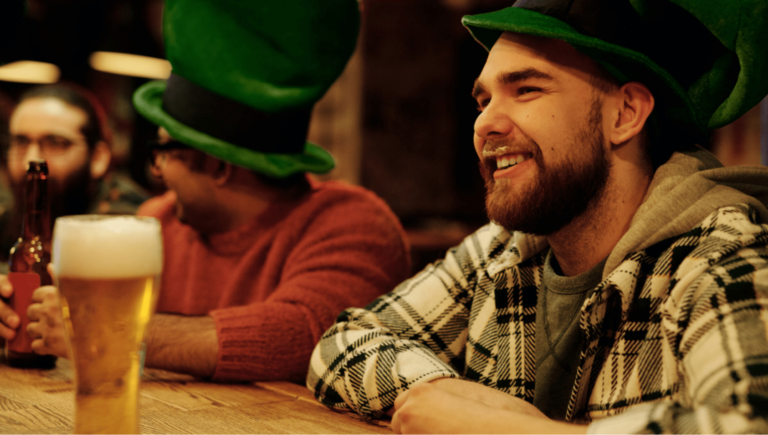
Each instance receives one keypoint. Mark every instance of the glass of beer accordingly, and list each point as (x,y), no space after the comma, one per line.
(107,269)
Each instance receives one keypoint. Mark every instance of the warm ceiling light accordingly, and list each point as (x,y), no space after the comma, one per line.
(28,71)
(130,65)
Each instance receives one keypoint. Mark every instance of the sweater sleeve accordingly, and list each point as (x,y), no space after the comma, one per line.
(415,334)
(344,253)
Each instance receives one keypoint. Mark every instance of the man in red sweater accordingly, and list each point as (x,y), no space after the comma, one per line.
(259,259)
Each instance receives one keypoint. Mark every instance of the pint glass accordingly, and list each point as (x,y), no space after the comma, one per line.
(107,269)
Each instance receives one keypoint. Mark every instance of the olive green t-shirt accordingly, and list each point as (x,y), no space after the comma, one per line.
(558,335)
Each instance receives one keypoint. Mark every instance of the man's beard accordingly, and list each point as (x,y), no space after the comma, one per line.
(74,195)
(561,192)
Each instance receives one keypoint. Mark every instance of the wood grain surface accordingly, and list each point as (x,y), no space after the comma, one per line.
(42,401)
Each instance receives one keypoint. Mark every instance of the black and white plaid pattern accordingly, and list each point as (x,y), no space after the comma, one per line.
(676,337)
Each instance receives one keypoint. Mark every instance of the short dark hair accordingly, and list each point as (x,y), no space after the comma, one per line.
(602,80)
(95,128)
(658,150)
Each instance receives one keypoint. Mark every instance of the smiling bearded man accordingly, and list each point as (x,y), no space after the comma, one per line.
(563,190)
(623,280)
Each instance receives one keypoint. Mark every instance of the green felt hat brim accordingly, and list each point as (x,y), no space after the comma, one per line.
(148,100)
(623,63)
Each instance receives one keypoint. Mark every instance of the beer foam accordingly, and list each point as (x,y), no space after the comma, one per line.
(99,247)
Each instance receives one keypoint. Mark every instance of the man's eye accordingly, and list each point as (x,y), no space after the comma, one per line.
(482,104)
(19,141)
(527,90)
(57,141)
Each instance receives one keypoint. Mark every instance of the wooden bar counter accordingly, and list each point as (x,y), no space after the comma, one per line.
(42,401)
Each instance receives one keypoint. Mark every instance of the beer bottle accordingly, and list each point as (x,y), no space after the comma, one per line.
(28,265)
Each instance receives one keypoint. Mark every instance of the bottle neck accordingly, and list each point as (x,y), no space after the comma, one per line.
(37,213)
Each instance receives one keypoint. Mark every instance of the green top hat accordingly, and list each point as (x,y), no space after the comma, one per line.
(246,75)
(706,61)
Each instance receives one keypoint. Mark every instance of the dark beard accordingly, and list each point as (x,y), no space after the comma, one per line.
(70,197)
(560,192)
(67,197)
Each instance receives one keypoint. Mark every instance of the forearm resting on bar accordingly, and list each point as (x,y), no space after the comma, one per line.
(186,344)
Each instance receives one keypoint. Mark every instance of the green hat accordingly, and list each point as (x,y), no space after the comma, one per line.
(246,75)
(706,61)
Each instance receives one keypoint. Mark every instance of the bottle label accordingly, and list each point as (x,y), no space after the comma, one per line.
(24,284)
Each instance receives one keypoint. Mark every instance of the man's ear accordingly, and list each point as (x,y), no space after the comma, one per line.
(222,172)
(634,107)
(101,156)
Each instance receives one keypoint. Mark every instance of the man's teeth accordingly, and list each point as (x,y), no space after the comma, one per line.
(503,162)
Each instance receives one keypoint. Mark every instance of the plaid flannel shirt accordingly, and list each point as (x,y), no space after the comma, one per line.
(675,337)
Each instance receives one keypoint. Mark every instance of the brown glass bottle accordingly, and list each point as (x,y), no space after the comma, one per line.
(28,265)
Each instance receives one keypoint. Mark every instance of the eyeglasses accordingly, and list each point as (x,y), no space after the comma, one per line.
(159,151)
(50,145)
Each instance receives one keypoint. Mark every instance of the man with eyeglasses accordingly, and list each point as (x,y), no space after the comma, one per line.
(65,125)
(259,258)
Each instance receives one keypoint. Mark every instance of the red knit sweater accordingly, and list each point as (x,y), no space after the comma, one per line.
(274,285)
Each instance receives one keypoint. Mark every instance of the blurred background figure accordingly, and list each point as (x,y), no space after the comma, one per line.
(65,125)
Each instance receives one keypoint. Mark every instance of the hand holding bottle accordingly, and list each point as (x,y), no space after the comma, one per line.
(9,320)
(46,326)
(28,262)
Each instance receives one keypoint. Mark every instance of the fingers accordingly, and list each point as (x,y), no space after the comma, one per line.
(34,312)
(35,330)
(400,400)
(396,424)
(10,318)
(45,323)
(10,321)
(6,290)
(45,302)
(46,340)
(38,345)
(46,293)
(45,306)
(42,347)
(7,333)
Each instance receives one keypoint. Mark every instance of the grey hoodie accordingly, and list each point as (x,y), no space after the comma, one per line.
(684,191)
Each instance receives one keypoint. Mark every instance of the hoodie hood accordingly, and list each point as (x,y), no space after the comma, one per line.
(686,189)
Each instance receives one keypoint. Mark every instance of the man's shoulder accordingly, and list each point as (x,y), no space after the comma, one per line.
(727,241)
(343,202)
(726,229)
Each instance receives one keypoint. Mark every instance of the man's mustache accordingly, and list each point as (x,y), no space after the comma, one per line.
(496,148)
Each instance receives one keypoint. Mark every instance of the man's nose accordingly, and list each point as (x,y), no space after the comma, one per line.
(493,123)
(33,152)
